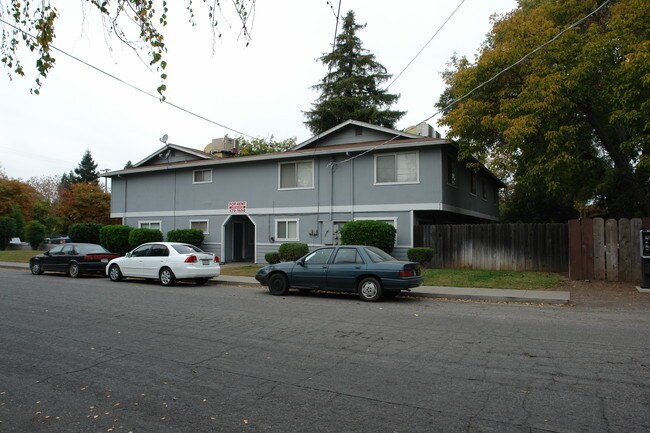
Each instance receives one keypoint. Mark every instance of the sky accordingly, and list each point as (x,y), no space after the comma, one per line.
(260,90)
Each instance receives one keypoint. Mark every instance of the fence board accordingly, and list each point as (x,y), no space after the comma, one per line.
(611,249)
(635,228)
(575,251)
(600,271)
(624,250)
(587,248)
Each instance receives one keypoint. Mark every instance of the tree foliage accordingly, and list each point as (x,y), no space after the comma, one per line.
(84,203)
(258,146)
(15,193)
(570,125)
(138,24)
(86,171)
(378,234)
(7,231)
(47,186)
(351,88)
(34,233)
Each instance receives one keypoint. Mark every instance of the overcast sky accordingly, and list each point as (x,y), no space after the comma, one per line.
(260,90)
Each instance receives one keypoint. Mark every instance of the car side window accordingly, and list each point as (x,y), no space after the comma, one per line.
(68,249)
(158,251)
(141,251)
(56,250)
(347,256)
(319,257)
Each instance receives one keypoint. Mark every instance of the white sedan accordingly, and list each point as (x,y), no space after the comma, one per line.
(167,262)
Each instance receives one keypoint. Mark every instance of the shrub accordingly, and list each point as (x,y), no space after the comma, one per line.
(292,251)
(421,255)
(34,233)
(115,238)
(142,236)
(7,231)
(88,233)
(378,234)
(272,258)
(17,215)
(187,236)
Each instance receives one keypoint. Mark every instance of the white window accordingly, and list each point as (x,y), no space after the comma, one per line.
(400,167)
(286,230)
(296,175)
(200,225)
(157,225)
(202,176)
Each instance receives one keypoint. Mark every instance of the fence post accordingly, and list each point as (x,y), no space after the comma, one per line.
(575,250)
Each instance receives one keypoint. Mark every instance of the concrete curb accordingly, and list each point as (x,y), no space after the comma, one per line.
(494,295)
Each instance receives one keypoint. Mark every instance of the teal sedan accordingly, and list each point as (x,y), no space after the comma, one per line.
(368,271)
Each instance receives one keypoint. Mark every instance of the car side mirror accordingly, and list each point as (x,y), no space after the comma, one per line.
(47,253)
(128,254)
(300,262)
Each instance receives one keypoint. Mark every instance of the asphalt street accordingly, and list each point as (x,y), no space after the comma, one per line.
(90,355)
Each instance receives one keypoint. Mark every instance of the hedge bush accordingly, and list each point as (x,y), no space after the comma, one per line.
(7,231)
(187,236)
(378,234)
(34,233)
(421,255)
(292,251)
(272,258)
(142,236)
(88,233)
(115,238)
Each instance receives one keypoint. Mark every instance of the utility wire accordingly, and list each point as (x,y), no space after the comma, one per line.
(129,84)
(455,101)
(425,45)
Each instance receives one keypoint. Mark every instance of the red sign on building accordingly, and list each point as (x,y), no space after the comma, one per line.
(237,207)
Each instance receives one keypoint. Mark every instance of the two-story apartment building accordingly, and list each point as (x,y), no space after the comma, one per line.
(248,206)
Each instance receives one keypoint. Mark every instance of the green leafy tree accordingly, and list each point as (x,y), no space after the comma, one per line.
(7,231)
(572,118)
(19,219)
(351,88)
(137,23)
(86,171)
(34,233)
(16,193)
(258,146)
(128,164)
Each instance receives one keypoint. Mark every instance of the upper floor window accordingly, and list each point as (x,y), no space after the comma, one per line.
(452,171)
(156,225)
(484,189)
(294,175)
(400,167)
(202,176)
(472,183)
(200,225)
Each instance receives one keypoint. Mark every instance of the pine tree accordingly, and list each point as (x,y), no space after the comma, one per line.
(87,172)
(351,88)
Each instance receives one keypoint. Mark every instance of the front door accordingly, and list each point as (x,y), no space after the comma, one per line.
(237,241)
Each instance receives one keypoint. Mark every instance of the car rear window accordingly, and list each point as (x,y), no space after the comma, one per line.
(187,249)
(90,249)
(377,255)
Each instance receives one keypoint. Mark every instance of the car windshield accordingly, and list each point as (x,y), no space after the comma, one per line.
(90,249)
(377,255)
(187,249)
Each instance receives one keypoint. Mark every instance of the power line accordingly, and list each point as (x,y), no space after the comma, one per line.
(130,85)
(425,45)
(455,101)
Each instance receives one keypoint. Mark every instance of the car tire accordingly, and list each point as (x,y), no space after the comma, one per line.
(369,289)
(73,270)
(35,267)
(114,273)
(200,281)
(167,277)
(278,285)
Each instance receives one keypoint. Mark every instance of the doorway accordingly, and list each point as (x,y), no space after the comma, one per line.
(239,239)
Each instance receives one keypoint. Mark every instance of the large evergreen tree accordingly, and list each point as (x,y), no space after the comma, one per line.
(569,125)
(87,172)
(351,88)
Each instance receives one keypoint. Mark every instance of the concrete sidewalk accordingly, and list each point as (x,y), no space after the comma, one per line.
(495,295)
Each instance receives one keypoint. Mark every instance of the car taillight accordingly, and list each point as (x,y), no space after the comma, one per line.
(216,259)
(407,273)
(191,259)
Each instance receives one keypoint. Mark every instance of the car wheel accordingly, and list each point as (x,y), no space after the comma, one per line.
(36,268)
(391,294)
(369,289)
(114,273)
(200,281)
(167,277)
(278,285)
(73,270)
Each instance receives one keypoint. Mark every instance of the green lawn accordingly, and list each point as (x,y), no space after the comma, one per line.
(18,256)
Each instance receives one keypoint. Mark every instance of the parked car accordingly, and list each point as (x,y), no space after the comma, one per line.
(73,258)
(167,262)
(57,240)
(368,271)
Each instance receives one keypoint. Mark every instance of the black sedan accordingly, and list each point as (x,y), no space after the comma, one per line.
(74,259)
(368,271)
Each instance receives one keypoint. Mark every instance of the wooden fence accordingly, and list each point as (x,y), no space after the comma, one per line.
(605,250)
(508,247)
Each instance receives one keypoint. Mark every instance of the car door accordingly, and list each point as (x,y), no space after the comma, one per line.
(131,266)
(311,272)
(62,259)
(344,269)
(154,260)
(48,263)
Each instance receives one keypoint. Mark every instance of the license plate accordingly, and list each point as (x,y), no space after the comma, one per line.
(104,260)
(205,261)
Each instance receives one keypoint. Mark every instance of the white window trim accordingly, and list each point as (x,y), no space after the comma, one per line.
(204,181)
(280,164)
(149,222)
(207,225)
(417,169)
(297,221)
